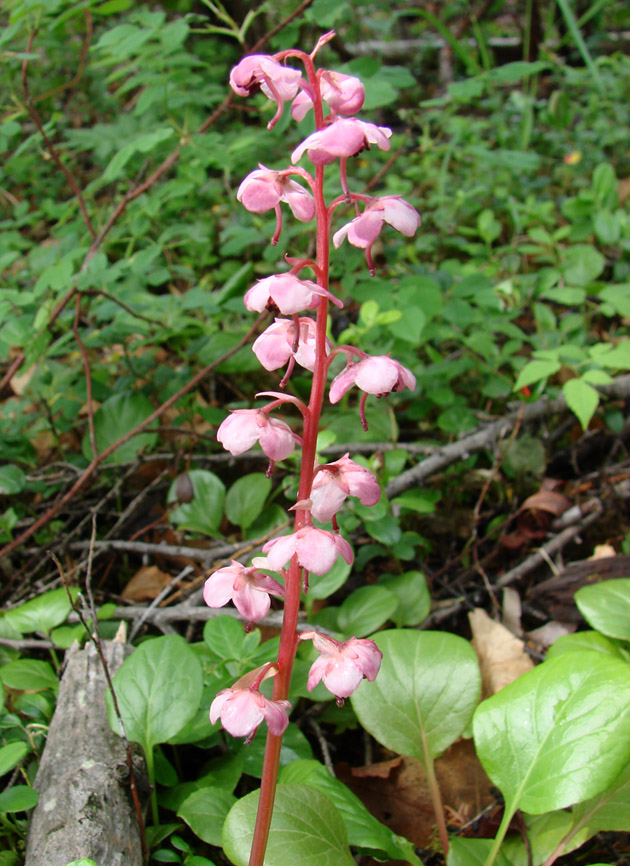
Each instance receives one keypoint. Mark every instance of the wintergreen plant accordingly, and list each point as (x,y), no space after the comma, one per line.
(334,99)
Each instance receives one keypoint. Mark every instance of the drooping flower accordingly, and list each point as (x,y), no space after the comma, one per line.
(335,481)
(317,549)
(286,294)
(376,374)
(363,230)
(343,138)
(264,189)
(342,664)
(242,708)
(244,427)
(262,72)
(247,587)
(345,94)
(274,347)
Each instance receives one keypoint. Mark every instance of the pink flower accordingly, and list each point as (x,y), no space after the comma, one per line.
(261,72)
(317,549)
(342,664)
(244,427)
(334,481)
(286,294)
(376,374)
(363,230)
(264,189)
(242,708)
(342,138)
(344,93)
(274,347)
(248,588)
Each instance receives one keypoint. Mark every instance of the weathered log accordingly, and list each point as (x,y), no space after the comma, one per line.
(85,807)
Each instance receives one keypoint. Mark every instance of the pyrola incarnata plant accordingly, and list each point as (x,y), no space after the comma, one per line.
(294,338)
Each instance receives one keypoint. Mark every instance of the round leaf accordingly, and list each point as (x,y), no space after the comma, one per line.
(205,511)
(582,399)
(414,600)
(12,480)
(366,609)
(306,828)
(19,798)
(29,675)
(246,498)
(205,812)
(322,587)
(42,613)
(606,606)
(158,689)
(119,415)
(424,695)
(11,755)
(558,734)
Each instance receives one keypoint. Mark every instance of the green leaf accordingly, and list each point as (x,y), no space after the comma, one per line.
(508,73)
(618,297)
(83,862)
(295,747)
(205,512)
(306,828)
(364,830)
(556,735)
(205,812)
(29,675)
(224,635)
(588,640)
(19,798)
(11,755)
(424,695)
(582,399)
(366,609)
(322,587)
(118,416)
(142,144)
(420,501)
(606,606)
(472,852)
(582,265)
(246,499)
(607,227)
(12,480)
(534,371)
(158,689)
(610,810)
(42,613)
(414,600)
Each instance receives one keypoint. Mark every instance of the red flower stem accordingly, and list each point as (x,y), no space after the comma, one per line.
(293,588)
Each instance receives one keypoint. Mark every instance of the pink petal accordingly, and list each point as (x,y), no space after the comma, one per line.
(280,550)
(301,105)
(276,440)
(326,497)
(299,200)
(316,550)
(317,671)
(252,604)
(219,588)
(364,229)
(217,704)
(339,235)
(344,549)
(342,383)
(273,346)
(400,215)
(376,375)
(342,678)
(259,191)
(276,716)
(242,713)
(368,656)
(239,431)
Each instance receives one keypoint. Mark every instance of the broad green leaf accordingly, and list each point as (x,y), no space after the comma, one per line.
(534,371)
(205,812)
(366,609)
(588,640)
(224,773)
(606,606)
(556,736)
(83,862)
(117,416)
(364,830)
(306,828)
(544,834)
(225,636)
(421,501)
(12,480)
(11,755)
(142,144)
(472,852)
(582,264)
(205,512)
(424,695)
(295,747)
(414,600)
(29,675)
(607,227)
(246,499)
(42,613)
(9,858)
(322,587)
(610,810)
(158,689)
(618,297)
(582,399)
(19,798)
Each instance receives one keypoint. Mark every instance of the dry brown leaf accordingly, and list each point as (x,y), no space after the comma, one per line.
(546,500)
(502,658)
(146,584)
(20,381)
(602,551)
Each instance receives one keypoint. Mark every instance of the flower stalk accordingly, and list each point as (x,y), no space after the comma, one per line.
(322,489)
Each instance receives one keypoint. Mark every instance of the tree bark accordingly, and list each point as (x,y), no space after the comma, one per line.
(85,807)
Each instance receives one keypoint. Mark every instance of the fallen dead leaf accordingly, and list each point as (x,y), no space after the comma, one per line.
(602,551)
(501,655)
(146,584)
(20,381)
